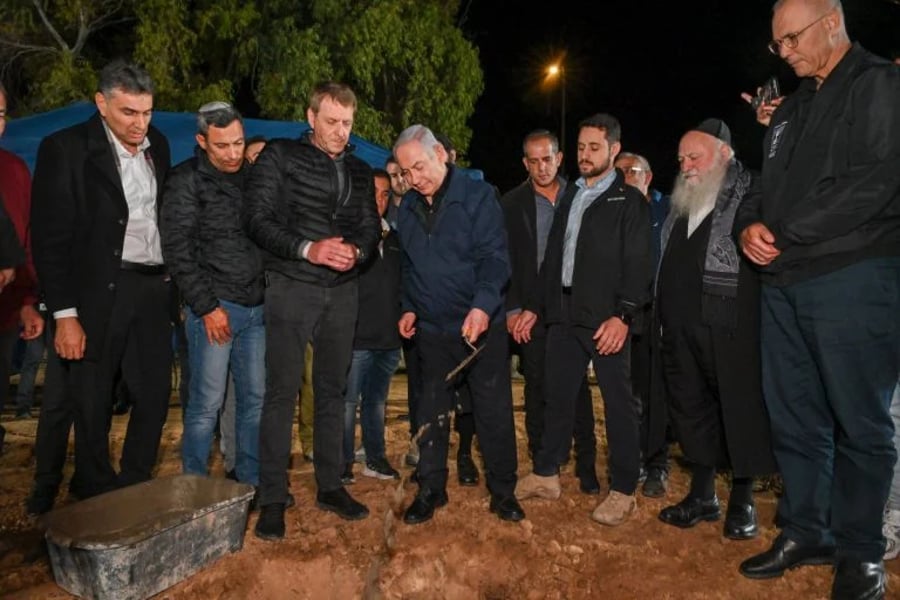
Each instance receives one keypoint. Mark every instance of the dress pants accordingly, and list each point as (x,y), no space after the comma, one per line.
(139,342)
(830,361)
(487,378)
(295,313)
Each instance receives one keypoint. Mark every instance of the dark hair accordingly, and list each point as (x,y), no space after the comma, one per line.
(381,173)
(339,92)
(607,123)
(124,76)
(541,134)
(391,160)
(444,141)
(256,139)
(217,114)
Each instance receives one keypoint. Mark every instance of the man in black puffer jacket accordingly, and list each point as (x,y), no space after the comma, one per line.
(310,203)
(219,272)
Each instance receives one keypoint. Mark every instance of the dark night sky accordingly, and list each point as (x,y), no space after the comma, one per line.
(659,67)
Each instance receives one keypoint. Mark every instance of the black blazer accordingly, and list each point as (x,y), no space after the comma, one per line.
(521,230)
(78,219)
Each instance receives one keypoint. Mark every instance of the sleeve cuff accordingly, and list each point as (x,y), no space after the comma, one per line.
(304,250)
(65,313)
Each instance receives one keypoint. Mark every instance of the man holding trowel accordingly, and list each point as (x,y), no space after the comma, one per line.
(455,266)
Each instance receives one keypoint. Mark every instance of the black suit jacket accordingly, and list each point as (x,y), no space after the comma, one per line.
(78,219)
(521,230)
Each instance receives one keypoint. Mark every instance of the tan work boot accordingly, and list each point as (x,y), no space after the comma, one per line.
(614,509)
(538,486)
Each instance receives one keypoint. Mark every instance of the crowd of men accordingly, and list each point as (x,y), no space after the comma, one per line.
(752,318)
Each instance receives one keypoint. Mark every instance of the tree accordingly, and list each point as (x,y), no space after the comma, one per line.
(406,59)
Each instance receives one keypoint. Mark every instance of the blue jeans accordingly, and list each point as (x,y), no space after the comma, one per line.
(367,388)
(245,354)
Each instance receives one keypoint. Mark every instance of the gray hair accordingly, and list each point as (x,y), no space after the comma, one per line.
(217,114)
(541,134)
(417,133)
(645,164)
(126,77)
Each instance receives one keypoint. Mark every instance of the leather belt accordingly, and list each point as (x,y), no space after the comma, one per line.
(143,268)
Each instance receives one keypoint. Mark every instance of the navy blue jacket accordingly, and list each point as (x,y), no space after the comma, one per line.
(463,263)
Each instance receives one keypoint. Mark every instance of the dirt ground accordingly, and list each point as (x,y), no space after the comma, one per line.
(464,552)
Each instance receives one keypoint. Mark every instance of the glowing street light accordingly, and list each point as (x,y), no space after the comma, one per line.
(557,70)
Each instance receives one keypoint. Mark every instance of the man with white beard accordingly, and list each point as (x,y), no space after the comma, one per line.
(707,310)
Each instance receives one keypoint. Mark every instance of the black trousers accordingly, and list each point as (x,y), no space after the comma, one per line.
(534,355)
(55,421)
(414,382)
(487,378)
(640,381)
(139,342)
(569,350)
(297,313)
(692,385)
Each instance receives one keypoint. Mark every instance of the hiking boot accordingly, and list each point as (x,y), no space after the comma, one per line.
(538,486)
(614,509)
(270,525)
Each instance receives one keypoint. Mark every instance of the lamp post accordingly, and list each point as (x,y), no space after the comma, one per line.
(553,71)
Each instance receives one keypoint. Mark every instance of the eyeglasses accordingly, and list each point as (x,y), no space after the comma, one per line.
(791,40)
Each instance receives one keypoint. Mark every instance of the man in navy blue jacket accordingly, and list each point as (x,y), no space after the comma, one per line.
(454,269)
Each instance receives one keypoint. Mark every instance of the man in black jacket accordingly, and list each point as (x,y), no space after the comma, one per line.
(310,205)
(95,203)
(219,273)
(594,280)
(826,237)
(707,307)
(529,210)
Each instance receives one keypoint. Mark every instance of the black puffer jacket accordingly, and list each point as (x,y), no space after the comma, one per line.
(292,198)
(203,243)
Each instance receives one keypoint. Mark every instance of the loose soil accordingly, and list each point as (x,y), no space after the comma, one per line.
(464,552)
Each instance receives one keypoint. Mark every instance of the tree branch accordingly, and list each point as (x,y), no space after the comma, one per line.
(53,33)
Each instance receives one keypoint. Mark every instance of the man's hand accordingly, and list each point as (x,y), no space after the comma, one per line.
(610,336)
(7,276)
(476,323)
(218,331)
(32,323)
(70,340)
(511,321)
(764,110)
(332,253)
(527,319)
(758,244)
(406,325)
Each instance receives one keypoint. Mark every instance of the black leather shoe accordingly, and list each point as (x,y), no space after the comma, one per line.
(656,483)
(40,500)
(507,508)
(740,521)
(270,525)
(857,580)
(465,470)
(691,511)
(785,554)
(340,502)
(588,484)
(422,508)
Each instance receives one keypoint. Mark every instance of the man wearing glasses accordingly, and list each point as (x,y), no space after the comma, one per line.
(826,237)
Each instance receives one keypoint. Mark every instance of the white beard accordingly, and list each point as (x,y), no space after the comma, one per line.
(696,200)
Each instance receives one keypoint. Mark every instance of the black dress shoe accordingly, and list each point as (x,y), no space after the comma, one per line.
(785,554)
(588,484)
(422,508)
(740,521)
(656,483)
(465,470)
(507,508)
(270,525)
(40,500)
(341,503)
(857,580)
(691,511)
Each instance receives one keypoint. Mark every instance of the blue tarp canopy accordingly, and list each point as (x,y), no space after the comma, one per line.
(23,136)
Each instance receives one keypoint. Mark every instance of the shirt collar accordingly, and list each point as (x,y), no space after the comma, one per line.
(119,148)
(601,184)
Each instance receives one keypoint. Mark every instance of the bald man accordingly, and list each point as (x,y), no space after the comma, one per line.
(825,234)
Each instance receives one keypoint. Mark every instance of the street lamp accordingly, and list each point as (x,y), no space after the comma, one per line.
(557,70)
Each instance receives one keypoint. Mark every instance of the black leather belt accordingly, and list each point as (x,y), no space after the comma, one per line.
(142,268)
(567,290)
